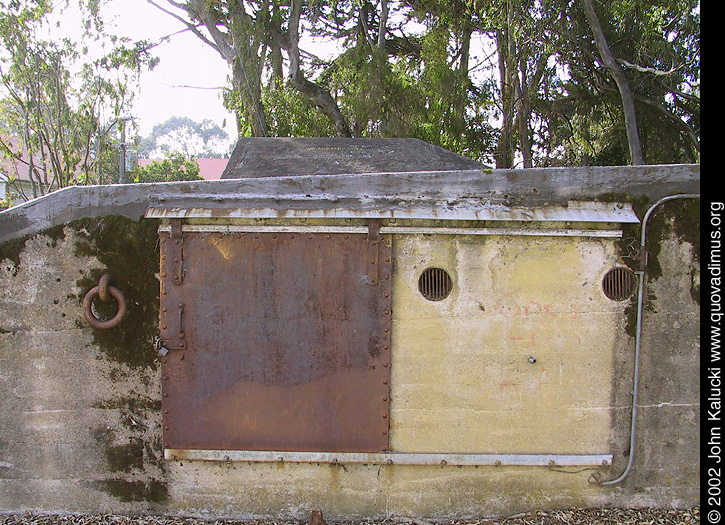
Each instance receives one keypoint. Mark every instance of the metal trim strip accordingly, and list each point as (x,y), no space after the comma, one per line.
(392,458)
(264,228)
(554,232)
(397,230)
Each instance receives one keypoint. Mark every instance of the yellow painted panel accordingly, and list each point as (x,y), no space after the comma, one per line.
(518,359)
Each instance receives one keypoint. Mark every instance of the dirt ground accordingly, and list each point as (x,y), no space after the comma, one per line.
(549,517)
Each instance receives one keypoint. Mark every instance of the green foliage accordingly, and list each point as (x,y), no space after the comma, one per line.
(515,83)
(390,79)
(291,114)
(7,201)
(54,93)
(174,168)
(657,46)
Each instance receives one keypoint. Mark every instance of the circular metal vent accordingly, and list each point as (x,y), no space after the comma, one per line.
(435,284)
(619,283)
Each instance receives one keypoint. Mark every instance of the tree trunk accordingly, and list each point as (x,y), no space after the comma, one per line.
(504,153)
(276,49)
(251,99)
(463,79)
(239,47)
(382,31)
(610,63)
(319,95)
(524,111)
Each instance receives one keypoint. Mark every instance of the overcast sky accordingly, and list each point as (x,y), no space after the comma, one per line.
(186,80)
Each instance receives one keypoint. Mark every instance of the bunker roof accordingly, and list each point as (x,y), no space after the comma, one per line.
(278,157)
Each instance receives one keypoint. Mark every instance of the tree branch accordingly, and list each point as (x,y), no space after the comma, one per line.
(383,29)
(191,27)
(363,21)
(609,62)
(677,121)
(644,69)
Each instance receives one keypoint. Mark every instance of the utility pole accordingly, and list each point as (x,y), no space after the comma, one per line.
(122,163)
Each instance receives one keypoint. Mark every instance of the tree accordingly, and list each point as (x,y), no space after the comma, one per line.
(55,92)
(242,33)
(653,50)
(181,134)
(388,81)
(520,32)
(610,64)
(569,82)
(238,37)
(174,168)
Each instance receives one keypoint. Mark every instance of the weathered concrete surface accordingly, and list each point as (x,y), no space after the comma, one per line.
(78,416)
(667,456)
(434,193)
(81,414)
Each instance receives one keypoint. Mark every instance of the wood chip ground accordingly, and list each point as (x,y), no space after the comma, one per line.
(646,516)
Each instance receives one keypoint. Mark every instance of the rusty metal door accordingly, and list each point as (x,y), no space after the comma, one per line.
(278,341)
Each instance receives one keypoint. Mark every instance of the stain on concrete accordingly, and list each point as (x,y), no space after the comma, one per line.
(133,404)
(12,249)
(127,457)
(681,219)
(118,464)
(136,414)
(128,250)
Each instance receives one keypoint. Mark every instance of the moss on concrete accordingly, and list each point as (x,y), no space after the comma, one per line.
(126,457)
(130,458)
(133,404)
(679,217)
(133,491)
(128,250)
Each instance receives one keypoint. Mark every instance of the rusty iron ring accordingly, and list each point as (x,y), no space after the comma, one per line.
(103,284)
(99,291)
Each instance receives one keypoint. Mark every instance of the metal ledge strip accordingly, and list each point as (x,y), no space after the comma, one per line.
(395,230)
(393,458)
(554,232)
(291,208)
(265,228)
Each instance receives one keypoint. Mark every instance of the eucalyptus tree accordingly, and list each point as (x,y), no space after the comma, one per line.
(53,92)
(551,92)
(632,74)
(394,68)
(243,33)
(520,35)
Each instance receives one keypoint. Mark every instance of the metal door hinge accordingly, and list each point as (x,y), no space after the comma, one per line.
(176,252)
(373,252)
(172,330)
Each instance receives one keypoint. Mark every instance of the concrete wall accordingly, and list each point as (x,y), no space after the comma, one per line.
(80,409)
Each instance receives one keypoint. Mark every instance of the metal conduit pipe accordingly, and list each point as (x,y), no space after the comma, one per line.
(638,335)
